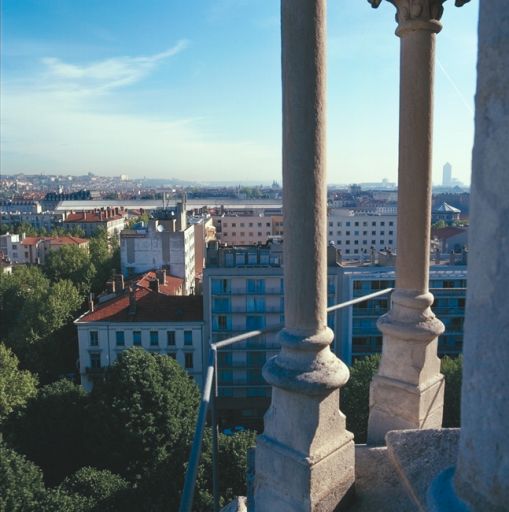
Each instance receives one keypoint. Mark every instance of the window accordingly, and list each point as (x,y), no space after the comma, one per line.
(373,223)
(137,338)
(348,233)
(241,224)
(382,233)
(188,360)
(255,285)
(382,223)
(170,338)
(347,224)
(330,233)
(364,233)
(356,224)
(254,322)
(120,338)
(364,223)
(338,233)
(330,224)
(234,224)
(356,242)
(222,323)
(391,232)
(173,355)
(95,360)
(188,338)
(338,242)
(94,338)
(391,223)
(339,224)
(154,338)
(221,286)
(347,242)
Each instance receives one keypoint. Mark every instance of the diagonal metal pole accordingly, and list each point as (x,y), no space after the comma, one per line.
(215,452)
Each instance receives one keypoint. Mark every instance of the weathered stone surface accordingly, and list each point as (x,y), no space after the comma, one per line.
(419,456)
(482,473)
(378,487)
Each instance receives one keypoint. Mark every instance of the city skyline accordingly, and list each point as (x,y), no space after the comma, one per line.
(193,92)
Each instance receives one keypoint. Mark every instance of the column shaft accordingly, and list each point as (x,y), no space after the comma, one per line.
(414,171)
(304,160)
(408,390)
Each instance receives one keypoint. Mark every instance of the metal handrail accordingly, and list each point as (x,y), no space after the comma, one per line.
(210,384)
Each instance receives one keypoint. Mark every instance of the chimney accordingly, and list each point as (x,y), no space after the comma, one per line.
(161,276)
(332,255)
(119,282)
(132,300)
(84,215)
(91,303)
(154,285)
(110,286)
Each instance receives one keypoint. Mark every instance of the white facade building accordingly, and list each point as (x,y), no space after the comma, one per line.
(148,318)
(356,234)
(158,246)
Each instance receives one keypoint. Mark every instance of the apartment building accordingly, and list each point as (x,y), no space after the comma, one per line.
(34,250)
(110,219)
(148,316)
(244,229)
(355,327)
(243,290)
(356,233)
(167,242)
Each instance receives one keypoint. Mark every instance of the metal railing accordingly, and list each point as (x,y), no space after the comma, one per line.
(209,396)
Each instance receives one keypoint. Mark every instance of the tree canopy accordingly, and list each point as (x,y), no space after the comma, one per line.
(16,386)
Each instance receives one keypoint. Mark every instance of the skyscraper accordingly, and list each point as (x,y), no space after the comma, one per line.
(447,175)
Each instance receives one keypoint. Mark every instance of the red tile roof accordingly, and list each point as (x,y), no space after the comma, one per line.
(91,217)
(60,240)
(171,287)
(447,232)
(150,307)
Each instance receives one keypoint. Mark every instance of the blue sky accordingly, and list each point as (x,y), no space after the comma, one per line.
(191,89)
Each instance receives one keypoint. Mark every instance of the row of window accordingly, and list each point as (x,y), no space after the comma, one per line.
(242,233)
(357,233)
(136,338)
(364,242)
(95,359)
(364,223)
(242,224)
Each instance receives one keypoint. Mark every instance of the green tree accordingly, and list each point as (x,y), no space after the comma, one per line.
(355,396)
(143,412)
(50,430)
(21,485)
(73,263)
(16,386)
(232,463)
(41,317)
(95,490)
(452,371)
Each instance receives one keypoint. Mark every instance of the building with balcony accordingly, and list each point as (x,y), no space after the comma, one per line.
(148,316)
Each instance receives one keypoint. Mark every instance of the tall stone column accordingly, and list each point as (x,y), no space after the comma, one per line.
(482,474)
(305,457)
(407,392)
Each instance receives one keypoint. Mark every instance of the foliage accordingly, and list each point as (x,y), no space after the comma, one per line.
(16,386)
(452,371)
(143,412)
(233,463)
(355,396)
(35,319)
(51,429)
(73,263)
(21,485)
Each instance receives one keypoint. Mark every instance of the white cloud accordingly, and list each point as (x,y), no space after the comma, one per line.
(104,75)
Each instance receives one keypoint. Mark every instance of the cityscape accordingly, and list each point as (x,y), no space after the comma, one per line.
(204,309)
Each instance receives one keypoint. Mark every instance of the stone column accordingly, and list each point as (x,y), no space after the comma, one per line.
(305,457)
(482,474)
(407,392)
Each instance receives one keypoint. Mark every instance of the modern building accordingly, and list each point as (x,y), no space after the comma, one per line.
(447,175)
(244,229)
(166,243)
(356,332)
(355,234)
(243,290)
(145,315)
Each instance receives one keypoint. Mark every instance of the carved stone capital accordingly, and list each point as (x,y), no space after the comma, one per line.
(418,14)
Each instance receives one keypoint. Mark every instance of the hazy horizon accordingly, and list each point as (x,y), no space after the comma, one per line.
(194,91)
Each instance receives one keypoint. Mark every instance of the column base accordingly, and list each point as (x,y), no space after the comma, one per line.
(287,481)
(398,405)
(305,459)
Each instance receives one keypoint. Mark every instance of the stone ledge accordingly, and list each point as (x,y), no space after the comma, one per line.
(419,456)
(378,487)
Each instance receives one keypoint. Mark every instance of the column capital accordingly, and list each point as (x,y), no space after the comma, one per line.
(414,15)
